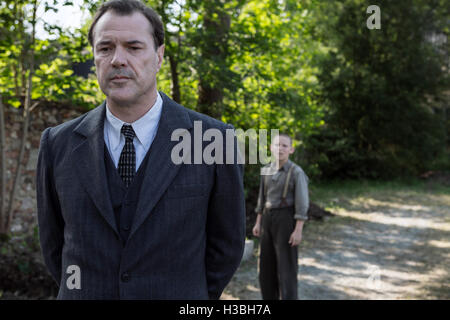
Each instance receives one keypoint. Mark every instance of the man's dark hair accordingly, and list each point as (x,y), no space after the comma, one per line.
(128,7)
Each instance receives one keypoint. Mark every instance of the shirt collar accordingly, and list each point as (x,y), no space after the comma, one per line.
(144,128)
(285,166)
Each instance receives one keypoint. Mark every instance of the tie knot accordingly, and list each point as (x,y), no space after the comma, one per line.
(128,132)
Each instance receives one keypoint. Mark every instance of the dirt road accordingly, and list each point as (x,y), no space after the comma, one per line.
(382,244)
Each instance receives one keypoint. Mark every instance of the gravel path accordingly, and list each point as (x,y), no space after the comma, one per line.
(382,245)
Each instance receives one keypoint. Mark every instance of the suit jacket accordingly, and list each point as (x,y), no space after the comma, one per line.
(187,236)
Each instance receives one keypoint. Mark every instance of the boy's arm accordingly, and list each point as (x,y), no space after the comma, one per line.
(260,204)
(259,207)
(301,202)
(296,236)
(301,197)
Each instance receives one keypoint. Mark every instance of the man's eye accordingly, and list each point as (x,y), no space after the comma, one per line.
(103,49)
(134,48)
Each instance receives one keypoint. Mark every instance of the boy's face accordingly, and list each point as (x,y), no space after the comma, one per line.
(281,148)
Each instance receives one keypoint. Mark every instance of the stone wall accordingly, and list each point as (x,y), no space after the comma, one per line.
(45,115)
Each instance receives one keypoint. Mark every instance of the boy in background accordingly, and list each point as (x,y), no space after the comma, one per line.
(282,210)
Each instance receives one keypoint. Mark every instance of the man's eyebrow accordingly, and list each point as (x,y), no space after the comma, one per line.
(102,43)
(134,42)
(131,42)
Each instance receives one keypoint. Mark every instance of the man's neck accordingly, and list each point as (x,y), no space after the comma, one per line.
(131,112)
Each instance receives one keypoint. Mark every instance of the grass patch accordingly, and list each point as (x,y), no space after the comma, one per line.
(336,195)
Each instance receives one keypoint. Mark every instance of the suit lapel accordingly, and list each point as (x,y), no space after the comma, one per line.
(88,158)
(160,170)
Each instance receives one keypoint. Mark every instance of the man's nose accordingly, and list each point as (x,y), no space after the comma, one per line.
(120,58)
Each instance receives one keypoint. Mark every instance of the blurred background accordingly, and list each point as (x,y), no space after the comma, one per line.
(368,109)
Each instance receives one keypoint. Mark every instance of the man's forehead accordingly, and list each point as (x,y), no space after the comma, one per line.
(113,26)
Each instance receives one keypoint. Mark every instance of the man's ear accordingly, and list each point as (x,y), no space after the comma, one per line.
(160,55)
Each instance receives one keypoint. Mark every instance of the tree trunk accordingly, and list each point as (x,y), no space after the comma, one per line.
(3,219)
(26,120)
(210,99)
(216,26)
(17,65)
(176,94)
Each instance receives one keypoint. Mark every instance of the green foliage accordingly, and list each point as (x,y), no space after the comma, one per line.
(53,79)
(378,85)
(442,162)
(358,102)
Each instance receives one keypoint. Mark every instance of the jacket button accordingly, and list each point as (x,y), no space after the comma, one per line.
(126,228)
(125,277)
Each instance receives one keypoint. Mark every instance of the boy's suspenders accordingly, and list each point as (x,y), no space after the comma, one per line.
(286,185)
(285,189)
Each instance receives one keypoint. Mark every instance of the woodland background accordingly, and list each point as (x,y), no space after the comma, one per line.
(361,104)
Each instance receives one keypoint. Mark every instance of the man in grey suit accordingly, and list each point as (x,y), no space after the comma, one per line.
(118,219)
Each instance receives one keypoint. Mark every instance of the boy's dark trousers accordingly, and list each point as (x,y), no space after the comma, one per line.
(278,259)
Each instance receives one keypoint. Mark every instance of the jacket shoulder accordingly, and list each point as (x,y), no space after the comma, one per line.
(207,121)
(65,127)
(61,134)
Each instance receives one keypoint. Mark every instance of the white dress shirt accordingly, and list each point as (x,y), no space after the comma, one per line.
(145,129)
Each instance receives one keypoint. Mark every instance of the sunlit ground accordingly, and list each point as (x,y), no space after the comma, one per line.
(387,241)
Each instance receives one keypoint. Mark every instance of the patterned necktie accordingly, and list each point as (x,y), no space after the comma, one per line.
(127,160)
